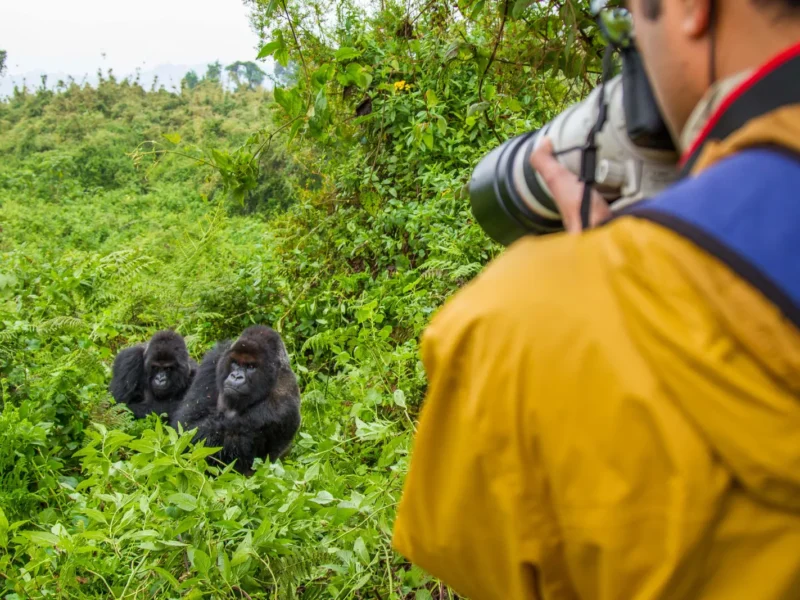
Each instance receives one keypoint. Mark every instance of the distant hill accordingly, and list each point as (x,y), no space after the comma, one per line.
(169,76)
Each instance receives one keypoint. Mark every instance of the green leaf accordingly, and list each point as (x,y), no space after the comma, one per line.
(270,8)
(290,101)
(323,498)
(282,98)
(346,53)
(41,538)
(320,102)
(201,452)
(362,582)
(312,472)
(282,56)
(148,546)
(512,104)
(168,576)
(95,515)
(270,48)
(173,138)
(478,107)
(427,137)
(323,75)
(477,9)
(442,123)
(295,128)
(520,6)
(431,99)
(183,501)
(144,446)
(200,561)
(3,529)
(360,550)
(452,52)
(223,161)
(224,565)
(400,398)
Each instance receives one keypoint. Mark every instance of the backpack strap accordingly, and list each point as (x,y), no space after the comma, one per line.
(744,210)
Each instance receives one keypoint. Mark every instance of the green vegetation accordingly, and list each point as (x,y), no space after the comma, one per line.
(125,211)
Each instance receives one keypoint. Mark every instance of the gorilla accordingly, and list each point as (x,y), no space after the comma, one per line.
(153,377)
(245,399)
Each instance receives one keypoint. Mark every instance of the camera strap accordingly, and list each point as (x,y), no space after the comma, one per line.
(773,86)
(589,150)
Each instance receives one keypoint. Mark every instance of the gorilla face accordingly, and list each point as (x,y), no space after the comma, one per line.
(163,376)
(246,373)
(153,377)
(166,364)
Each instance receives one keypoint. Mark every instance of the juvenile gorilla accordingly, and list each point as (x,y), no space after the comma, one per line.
(153,377)
(245,399)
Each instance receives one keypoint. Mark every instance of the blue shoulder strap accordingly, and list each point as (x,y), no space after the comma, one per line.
(744,210)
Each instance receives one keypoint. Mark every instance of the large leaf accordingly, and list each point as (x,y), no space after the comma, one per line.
(347,53)
(183,501)
(270,48)
(478,107)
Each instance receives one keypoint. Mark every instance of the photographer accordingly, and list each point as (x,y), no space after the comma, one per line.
(613,414)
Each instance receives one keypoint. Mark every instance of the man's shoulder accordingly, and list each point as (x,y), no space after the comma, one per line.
(538,284)
(743,210)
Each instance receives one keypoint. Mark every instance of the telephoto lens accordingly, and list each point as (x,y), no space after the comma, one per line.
(510,199)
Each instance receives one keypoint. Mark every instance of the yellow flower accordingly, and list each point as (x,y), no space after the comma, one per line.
(401,85)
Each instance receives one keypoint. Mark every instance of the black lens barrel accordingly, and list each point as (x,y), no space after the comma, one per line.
(497,203)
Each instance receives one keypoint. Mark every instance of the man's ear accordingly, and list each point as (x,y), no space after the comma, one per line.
(695,17)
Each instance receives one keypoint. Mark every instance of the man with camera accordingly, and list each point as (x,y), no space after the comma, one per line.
(613,412)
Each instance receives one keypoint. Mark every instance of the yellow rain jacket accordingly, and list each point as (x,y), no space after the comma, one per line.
(616,415)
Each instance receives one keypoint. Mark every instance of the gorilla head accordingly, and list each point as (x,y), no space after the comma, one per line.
(245,399)
(153,377)
(247,373)
(167,365)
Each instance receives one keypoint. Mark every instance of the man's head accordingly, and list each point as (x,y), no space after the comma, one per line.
(675,40)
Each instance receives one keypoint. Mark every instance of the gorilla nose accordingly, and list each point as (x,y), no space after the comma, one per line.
(236,377)
(160,380)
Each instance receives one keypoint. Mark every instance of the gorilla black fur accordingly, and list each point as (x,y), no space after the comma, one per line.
(153,377)
(245,399)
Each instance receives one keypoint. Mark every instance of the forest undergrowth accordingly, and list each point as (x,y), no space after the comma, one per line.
(125,211)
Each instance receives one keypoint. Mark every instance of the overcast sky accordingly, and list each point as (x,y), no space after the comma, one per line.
(70,36)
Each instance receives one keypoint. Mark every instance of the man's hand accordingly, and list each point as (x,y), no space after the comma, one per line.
(567,189)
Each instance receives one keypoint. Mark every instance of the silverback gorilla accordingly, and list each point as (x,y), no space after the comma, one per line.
(245,399)
(153,377)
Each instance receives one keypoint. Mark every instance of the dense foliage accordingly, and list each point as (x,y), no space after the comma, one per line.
(125,211)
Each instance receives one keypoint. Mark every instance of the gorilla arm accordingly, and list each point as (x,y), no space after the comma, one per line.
(267,428)
(279,414)
(199,407)
(128,376)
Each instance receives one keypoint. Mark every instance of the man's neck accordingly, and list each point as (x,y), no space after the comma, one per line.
(707,105)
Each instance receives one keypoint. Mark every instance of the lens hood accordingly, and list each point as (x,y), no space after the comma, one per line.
(497,203)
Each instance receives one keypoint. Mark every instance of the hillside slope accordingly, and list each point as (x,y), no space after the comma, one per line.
(96,254)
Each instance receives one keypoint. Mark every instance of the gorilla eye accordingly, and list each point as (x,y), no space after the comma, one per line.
(250,367)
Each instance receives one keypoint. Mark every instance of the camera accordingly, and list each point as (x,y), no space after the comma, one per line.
(615,140)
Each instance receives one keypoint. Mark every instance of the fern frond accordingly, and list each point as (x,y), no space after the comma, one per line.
(466,271)
(319,342)
(58,324)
